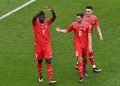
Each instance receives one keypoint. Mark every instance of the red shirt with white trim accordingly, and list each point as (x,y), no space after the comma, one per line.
(81,31)
(42,34)
(92,20)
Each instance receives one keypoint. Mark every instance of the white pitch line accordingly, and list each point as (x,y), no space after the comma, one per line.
(17,9)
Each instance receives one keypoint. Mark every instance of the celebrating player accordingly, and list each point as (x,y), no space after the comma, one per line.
(93,21)
(42,42)
(82,40)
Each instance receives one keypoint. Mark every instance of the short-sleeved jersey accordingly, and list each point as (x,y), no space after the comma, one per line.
(42,33)
(92,20)
(81,31)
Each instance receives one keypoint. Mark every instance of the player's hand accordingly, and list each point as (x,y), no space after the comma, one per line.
(101,38)
(58,29)
(48,8)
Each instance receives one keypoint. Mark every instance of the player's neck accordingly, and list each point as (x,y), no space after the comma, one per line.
(89,15)
(41,22)
(80,21)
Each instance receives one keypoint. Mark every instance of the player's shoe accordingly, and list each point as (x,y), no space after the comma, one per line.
(40,79)
(76,66)
(85,73)
(97,70)
(52,82)
(81,80)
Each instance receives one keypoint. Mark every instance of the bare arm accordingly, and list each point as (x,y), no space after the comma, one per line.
(61,30)
(90,42)
(99,32)
(53,15)
(50,8)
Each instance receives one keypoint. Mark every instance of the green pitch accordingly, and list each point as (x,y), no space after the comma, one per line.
(17,65)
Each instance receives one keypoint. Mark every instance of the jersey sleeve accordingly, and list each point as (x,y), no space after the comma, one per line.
(89,28)
(96,21)
(35,23)
(49,21)
(70,28)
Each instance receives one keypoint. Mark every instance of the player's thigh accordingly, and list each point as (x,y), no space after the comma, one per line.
(39,56)
(48,53)
(78,53)
(85,53)
(91,54)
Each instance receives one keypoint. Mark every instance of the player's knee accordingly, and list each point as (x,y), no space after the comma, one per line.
(48,61)
(40,61)
(80,60)
(85,58)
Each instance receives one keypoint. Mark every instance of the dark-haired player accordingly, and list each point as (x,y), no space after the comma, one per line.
(93,21)
(43,50)
(82,40)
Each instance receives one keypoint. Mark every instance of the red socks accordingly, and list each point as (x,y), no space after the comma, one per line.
(50,71)
(80,69)
(84,64)
(39,66)
(91,58)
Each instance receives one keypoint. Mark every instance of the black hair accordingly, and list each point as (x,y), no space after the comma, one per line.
(89,7)
(80,14)
(41,13)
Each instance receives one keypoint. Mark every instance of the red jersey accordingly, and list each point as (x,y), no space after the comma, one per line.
(92,20)
(42,33)
(80,34)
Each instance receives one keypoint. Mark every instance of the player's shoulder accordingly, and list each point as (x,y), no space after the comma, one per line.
(86,23)
(72,24)
(94,16)
(35,22)
(47,20)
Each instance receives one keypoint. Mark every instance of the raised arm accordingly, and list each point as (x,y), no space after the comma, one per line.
(50,8)
(53,15)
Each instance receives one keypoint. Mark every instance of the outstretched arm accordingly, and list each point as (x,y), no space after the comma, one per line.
(69,29)
(61,30)
(99,32)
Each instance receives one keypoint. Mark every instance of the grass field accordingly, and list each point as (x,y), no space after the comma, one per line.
(17,65)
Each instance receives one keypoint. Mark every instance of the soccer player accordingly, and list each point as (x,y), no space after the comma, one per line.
(43,50)
(82,40)
(93,21)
